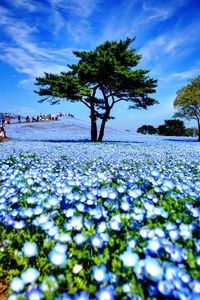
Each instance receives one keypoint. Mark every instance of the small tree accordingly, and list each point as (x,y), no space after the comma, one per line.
(147,129)
(172,127)
(100,79)
(187,102)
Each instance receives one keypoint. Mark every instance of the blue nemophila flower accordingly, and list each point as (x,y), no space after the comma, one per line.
(195,286)
(47,225)
(121,189)
(30,249)
(88,223)
(83,295)
(153,269)
(53,231)
(129,259)
(125,206)
(185,277)
(100,273)
(19,224)
(96,213)
(135,193)
(53,201)
(155,173)
(30,275)
(105,293)
(101,227)
(34,294)
(144,232)
(96,241)
(31,200)
(13,297)
(159,232)
(185,231)
(176,254)
(80,207)
(126,288)
(105,236)
(149,206)
(178,284)
(115,223)
(30,181)
(61,248)
(174,234)
(167,185)
(131,243)
(165,287)
(17,284)
(171,272)
(69,212)
(76,222)
(64,296)
(14,199)
(152,290)
(153,246)
(195,212)
(104,193)
(57,259)
(42,219)
(198,260)
(27,213)
(112,194)
(197,244)
(80,238)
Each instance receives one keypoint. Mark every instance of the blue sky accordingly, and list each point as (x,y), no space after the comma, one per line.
(38,36)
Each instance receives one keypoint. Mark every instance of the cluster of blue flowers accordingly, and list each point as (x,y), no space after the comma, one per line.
(100,221)
(93,229)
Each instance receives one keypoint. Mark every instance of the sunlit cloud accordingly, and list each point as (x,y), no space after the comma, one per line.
(186,74)
(82,9)
(25,4)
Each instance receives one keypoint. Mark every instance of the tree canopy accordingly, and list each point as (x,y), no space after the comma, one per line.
(187,102)
(172,127)
(147,129)
(100,79)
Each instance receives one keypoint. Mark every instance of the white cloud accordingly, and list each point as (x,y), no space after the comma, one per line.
(155,12)
(153,48)
(189,74)
(27,63)
(82,9)
(25,4)
(162,10)
(172,43)
(24,55)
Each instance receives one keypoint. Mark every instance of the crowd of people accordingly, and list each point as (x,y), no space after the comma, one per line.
(39,118)
(5,118)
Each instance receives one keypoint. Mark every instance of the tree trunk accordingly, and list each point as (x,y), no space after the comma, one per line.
(103,124)
(198,130)
(93,129)
(93,124)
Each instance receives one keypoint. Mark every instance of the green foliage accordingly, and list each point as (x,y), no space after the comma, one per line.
(147,129)
(101,78)
(172,127)
(187,102)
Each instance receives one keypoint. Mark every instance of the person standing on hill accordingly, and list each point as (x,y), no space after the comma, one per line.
(8,119)
(28,119)
(3,131)
(19,119)
(3,120)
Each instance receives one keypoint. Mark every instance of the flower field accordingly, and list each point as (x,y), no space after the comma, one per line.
(117,220)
